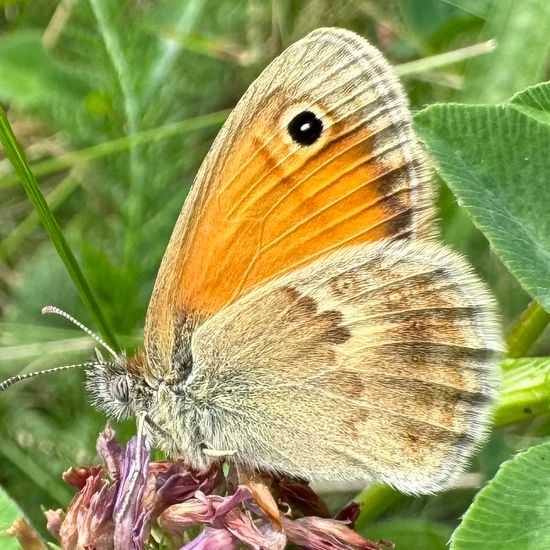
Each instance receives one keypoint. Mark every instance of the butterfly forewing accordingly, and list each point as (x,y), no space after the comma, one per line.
(375,360)
(263,204)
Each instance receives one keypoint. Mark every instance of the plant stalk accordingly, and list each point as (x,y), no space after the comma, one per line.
(15,154)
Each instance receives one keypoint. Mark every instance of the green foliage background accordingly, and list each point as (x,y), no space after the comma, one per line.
(95,91)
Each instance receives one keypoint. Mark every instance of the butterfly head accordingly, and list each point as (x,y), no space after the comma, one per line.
(120,389)
(111,389)
(124,388)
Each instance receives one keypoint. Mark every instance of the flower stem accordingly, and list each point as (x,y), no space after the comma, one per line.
(433,62)
(526,330)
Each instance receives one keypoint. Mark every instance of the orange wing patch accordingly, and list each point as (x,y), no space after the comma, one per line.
(263,205)
(343,195)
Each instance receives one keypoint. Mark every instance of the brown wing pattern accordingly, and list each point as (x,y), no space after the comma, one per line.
(376,360)
(263,205)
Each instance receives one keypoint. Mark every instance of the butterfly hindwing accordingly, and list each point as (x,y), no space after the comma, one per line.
(376,360)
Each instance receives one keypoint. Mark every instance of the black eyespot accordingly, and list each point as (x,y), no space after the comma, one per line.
(305,128)
(120,389)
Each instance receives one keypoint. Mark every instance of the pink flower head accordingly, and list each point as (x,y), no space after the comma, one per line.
(116,510)
(117,504)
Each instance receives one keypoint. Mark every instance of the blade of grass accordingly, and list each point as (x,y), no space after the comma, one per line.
(217,48)
(35,472)
(52,166)
(59,346)
(428,64)
(110,35)
(57,23)
(40,349)
(16,156)
(169,50)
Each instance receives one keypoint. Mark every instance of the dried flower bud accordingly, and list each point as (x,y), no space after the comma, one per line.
(349,514)
(131,519)
(325,534)
(201,509)
(89,516)
(54,519)
(112,453)
(25,535)
(77,477)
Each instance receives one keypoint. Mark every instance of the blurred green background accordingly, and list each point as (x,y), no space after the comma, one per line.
(78,77)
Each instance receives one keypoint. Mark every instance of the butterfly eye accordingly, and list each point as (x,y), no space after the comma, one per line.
(120,389)
(305,128)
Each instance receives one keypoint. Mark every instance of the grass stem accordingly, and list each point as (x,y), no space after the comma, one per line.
(15,154)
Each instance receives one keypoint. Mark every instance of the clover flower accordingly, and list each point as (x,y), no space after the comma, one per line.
(129,501)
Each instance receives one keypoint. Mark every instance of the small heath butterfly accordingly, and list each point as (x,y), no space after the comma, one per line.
(305,320)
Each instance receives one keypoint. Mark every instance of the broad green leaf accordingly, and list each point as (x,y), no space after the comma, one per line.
(495,160)
(9,512)
(410,534)
(525,391)
(512,512)
(523,50)
(534,102)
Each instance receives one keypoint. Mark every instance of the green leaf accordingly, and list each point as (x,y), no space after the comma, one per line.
(525,391)
(535,102)
(512,511)
(495,160)
(9,512)
(410,534)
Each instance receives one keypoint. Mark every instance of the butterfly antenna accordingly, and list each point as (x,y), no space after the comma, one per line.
(98,339)
(11,381)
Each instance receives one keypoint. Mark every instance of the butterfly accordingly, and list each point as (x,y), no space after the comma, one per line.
(305,320)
